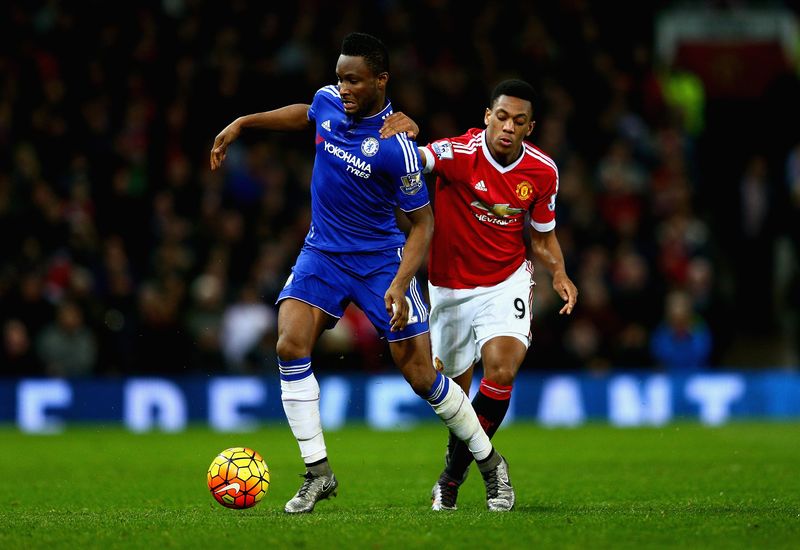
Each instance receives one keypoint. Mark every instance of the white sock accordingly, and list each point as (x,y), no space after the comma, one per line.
(300,397)
(454,408)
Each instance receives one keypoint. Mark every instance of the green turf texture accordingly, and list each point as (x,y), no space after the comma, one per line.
(678,486)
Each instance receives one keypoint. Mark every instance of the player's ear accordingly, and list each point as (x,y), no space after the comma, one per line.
(486,116)
(383,80)
(531,126)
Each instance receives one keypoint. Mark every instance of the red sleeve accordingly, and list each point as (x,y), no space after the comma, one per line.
(543,210)
(441,154)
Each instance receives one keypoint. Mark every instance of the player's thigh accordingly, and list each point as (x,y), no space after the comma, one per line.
(368,294)
(318,280)
(453,342)
(313,298)
(502,357)
(299,327)
(506,312)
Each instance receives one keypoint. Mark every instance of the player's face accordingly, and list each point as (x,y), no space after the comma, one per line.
(363,93)
(508,122)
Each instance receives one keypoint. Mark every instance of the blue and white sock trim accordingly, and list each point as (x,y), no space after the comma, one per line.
(296,369)
(439,389)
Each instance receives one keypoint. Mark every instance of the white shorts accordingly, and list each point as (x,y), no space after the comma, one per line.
(462,320)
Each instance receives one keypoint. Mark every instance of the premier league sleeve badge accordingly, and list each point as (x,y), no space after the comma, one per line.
(411,183)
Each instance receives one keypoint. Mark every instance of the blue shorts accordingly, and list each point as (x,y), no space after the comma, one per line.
(330,281)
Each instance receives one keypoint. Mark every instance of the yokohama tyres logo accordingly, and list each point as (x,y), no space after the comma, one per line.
(352,160)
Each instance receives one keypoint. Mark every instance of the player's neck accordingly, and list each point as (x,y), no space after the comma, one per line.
(505,160)
(376,108)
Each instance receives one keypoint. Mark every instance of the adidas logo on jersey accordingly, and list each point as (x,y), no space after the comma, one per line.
(327,125)
(480,186)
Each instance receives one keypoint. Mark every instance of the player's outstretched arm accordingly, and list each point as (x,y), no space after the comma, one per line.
(547,249)
(419,238)
(289,118)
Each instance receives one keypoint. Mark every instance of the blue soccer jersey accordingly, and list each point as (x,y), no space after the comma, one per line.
(359,179)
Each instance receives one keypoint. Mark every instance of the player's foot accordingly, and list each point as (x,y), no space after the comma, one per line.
(444,493)
(500,495)
(313,489)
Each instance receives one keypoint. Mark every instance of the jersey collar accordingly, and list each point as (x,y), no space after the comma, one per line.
(377,118)
(488,154)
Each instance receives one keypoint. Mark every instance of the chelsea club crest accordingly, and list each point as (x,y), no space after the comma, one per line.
(370,146)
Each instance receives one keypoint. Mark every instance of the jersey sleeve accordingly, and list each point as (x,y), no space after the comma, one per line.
(406,176)
(439,158)
(543,210)
(326,93)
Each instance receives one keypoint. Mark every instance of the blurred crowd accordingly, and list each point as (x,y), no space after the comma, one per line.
(121,253)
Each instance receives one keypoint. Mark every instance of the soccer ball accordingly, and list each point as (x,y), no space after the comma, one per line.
(238,478)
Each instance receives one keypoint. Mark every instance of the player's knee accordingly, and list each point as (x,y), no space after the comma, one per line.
(501,374)
(421,381)
(421,388)
(289,348)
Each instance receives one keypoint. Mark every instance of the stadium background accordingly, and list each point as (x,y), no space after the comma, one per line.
(122,254)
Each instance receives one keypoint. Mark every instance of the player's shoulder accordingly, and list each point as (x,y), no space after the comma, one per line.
(401,148)
(401,142)
(329,91)
(458,146)
(537,159)
(329,97)
(471,139)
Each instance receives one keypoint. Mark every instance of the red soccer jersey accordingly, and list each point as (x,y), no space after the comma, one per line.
(480,206)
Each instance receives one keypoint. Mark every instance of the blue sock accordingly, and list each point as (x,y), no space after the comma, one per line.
(296,369)
(438,389)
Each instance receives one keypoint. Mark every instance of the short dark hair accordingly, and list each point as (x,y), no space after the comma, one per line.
(514,88)
(375,54)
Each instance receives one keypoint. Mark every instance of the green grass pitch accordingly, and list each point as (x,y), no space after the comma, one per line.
(678,486)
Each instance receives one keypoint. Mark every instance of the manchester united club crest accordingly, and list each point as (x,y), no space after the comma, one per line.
(524,190)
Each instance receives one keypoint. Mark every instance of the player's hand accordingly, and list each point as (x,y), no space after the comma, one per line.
(567,290)
(397,123)
(396,307)
(220,148)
